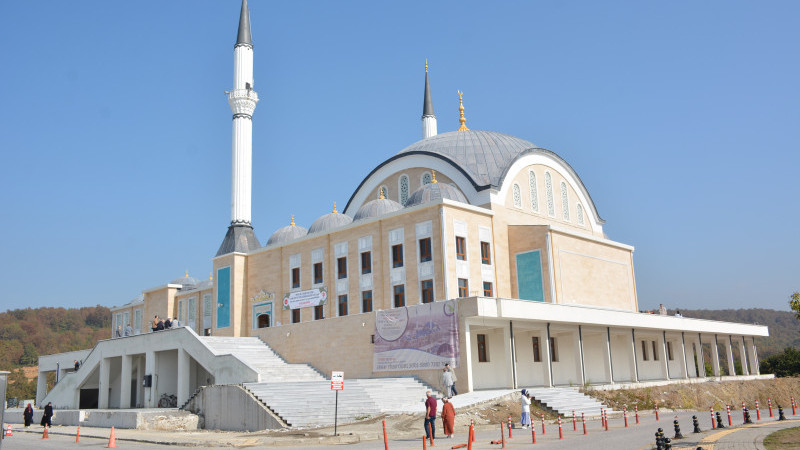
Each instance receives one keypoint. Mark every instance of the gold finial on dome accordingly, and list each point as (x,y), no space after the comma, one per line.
(433,176)
(382,197)
(210,276)
(292,222)
(426,65)
(334,208)
(463,121)
(187,274)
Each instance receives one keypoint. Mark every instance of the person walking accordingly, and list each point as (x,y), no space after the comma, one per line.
(447,382)
(47,417)
(455,379)
(28,415)
(430,416)
(448,417)
(525,402)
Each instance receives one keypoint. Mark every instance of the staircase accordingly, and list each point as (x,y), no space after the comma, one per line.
(256,354)
(312,403)
(565,400)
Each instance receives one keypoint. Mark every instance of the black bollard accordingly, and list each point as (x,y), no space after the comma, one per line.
(719,421)
(677,427)
(667,444)
(696,425)
(780,413)
(747,416)
(659,439)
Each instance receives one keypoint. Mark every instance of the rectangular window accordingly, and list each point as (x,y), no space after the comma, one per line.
(669,351)
(366,301)
(318,273)
(655,352)
(295,278)
(644,350)
(399,296)
(487,289)
(397,255)
(366,262)
(319,312)
(295,316)
(553,350)
(482,354)
(461,248)
(427,291)
(463,287)
(341,267)
(342,305)
(486,253)
(425,250)
(537,353)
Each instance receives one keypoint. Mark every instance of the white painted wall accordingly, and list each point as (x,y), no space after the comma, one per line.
(494,373)
(594,357)
(566,370)
(622,357)
(529,373)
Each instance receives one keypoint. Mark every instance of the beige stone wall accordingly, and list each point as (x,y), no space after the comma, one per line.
(473,220)
(593,273)
(161,302)
(198,295)
(415,182)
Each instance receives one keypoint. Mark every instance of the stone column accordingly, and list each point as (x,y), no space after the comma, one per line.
(609,363)
(755,357)
(579,360)
(139,380)
(701,365)
(546,359)
(468,356)
(683,352)
(41,387)
(125,382)
(184,374)
(635,368)
(715,357)
(151,393)
(729,354)
(665,361)
(508,355)
(103,384)
(743,357)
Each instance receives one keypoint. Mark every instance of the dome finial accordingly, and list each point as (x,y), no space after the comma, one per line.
(334,208)
(187,273)
(381,196)
(211,276)
(292,222)
(463,121)
(433,176)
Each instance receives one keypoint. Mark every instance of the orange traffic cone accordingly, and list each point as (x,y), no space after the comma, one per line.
(112,442)
(8,433)
(45,435)
(78,435)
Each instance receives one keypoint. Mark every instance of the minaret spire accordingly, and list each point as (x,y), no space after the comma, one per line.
(242,100)
(461,119)
(428,117)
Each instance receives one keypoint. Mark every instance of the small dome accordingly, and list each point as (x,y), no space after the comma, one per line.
(186,281)
(287,233)
(329,222)
(435,191)
(376,208)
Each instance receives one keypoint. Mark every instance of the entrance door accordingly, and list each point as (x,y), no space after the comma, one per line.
(224,297)
(529,276)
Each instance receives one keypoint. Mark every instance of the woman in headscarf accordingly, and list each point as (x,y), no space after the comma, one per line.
(47,417)
(448,417)
(28,415)
(525,402)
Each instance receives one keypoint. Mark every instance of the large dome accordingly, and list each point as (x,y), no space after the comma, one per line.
(484,156)
(376,208)
(329,222)
(288,233)
(435,191)
(186,281)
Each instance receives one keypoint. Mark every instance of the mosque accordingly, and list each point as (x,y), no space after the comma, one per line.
(468,247)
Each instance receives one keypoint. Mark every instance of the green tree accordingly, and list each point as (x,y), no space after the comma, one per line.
(794,303)
(30,357)
(784,364)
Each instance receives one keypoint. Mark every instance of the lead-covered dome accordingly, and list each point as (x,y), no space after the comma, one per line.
(484,156)
(186,281)
(435,191)
(376,208)
(288,233)
(330,221)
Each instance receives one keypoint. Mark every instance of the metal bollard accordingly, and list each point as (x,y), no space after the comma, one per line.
(747,416)
(780,413)
(677,427)
(660,439)
(696,425)
(719,420)
(667,444)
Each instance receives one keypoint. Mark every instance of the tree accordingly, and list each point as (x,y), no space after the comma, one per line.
(794,303)
(784,364)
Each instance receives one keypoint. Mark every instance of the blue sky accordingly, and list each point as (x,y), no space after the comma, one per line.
(682,118)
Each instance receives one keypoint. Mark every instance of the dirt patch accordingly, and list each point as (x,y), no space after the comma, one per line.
(783,439)
(701,396)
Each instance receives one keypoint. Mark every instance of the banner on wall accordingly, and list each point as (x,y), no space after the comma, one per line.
(416,337)
(304,299)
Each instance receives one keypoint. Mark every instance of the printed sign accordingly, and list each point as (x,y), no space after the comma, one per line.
(304,299)
(416,337)
(337,381)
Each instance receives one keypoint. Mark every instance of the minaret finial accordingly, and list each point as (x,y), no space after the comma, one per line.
(334,208)
(461,119)
(292,222)
(426,65)
(433,176)
(243,37)
(428,117)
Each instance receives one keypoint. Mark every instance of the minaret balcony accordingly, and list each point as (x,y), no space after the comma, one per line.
(242,101)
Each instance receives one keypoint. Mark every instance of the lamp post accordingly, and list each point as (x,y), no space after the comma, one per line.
(3,380)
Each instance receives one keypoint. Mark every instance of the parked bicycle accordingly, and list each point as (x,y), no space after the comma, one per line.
(168,401)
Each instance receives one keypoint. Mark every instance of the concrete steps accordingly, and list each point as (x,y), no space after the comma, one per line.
(565,400)
(258,355)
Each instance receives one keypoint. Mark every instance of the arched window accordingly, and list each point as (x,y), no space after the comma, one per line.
(579,213)
(517,196)
(534,193)
(548,188)
(427,178)
(564,200)
(263,321)
(403,189)
(385,191)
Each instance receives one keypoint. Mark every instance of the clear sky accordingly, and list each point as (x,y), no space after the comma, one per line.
(682,118)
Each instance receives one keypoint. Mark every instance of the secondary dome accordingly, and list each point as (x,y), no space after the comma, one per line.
(484,156)
(330,221)
(377,207)
(288,233)
(435,191)
(186,281)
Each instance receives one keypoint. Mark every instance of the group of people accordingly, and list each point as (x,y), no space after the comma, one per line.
(158,324)
(47,417)
(128,331)
(448,411)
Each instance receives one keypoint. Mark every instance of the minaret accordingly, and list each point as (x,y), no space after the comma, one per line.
(428,117)
(242,100)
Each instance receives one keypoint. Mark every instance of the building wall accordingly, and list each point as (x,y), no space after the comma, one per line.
(161,302)
(526,238)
